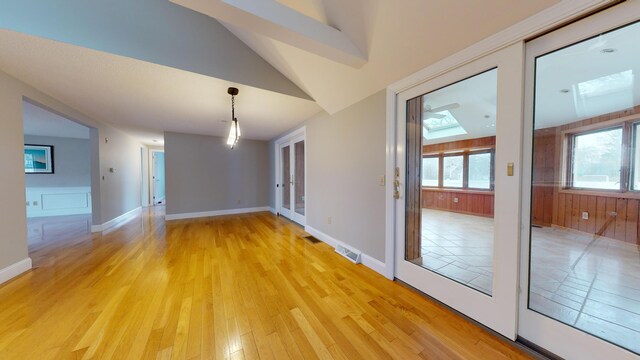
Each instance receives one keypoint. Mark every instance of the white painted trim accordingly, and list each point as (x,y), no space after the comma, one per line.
(202,214)
(390,210)
(124,217)
(273,211)
(374,264)
(152,183)
(14,270)
(368,261)
(288,140)
(531,26)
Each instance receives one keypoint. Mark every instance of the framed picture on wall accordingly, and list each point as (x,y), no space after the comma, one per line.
(38,159)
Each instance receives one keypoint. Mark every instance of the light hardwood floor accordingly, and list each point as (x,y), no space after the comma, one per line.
(247,286)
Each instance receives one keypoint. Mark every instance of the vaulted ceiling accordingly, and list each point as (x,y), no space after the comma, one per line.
(154,65)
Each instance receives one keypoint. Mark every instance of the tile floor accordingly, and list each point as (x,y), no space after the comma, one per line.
(591,284)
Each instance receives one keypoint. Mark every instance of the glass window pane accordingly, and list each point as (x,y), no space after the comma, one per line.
(480,171)
(299,178)
(585,250)
(453,167)
(430,170)
(596,160)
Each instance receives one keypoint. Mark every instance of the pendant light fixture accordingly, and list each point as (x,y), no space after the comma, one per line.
(234,130)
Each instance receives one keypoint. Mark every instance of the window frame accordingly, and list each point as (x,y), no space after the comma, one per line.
(626,165)
(439,180)
(465,169)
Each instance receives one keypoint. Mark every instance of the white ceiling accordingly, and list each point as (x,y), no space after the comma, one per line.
(477,98)
(399,39)
(566,68)
(144,98)
(40,122)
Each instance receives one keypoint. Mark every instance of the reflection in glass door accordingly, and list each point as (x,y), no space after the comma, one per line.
(456,218)
(582,259)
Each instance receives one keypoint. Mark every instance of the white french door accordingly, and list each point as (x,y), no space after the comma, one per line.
(458,182)
(290,182)
(580,263)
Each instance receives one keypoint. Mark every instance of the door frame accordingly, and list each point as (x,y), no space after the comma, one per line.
(499,310)
(551,334)
(152,187)
(289,140)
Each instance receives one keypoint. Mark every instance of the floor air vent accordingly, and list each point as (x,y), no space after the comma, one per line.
(351,255)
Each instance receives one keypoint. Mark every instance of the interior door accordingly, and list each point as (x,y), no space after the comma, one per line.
(298,183)
(458,182)
(286,180)
(158,178)
(580,257)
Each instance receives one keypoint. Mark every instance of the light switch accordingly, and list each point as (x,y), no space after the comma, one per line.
(510,169)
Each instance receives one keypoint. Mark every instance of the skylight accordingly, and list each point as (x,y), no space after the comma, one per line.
(444,124)
(604,94)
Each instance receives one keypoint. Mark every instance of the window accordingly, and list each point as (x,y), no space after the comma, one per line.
(464,170)
(597,160)
(453,171)
(480,171)
(430,171)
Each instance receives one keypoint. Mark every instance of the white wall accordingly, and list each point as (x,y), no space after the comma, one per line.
(345,159)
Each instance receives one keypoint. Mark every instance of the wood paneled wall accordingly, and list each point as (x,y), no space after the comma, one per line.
(552,206)
(478,143)
(469,202)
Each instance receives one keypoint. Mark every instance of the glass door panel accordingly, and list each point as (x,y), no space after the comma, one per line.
(584,259)
(299,178)
(456,127)
(285,161)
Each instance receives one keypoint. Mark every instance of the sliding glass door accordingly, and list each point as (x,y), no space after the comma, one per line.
(457,221)
(580,274)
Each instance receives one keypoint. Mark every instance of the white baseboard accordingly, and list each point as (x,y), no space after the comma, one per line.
(273,211)
(214,213)
(368,261)
(112,222)
(14,270)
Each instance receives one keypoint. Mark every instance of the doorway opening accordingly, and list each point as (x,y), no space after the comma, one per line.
(58,175)
(158,195)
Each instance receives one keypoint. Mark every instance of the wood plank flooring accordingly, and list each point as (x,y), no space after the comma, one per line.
(236,287)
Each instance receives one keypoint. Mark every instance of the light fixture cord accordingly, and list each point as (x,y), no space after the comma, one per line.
(233,107)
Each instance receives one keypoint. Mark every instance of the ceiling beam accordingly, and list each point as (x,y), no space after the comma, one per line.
(279,22)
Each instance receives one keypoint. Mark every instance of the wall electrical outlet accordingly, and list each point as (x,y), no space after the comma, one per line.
(455,200)
(585,215)
(381,180)
(329,220)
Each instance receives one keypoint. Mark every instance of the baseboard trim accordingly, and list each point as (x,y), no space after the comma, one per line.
(14,270)
(114,221)
(273,211)
(202,214)
(368,261)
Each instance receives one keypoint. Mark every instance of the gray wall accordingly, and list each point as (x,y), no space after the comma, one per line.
(72,162)
(345,159)
(112,196)
(203,174)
